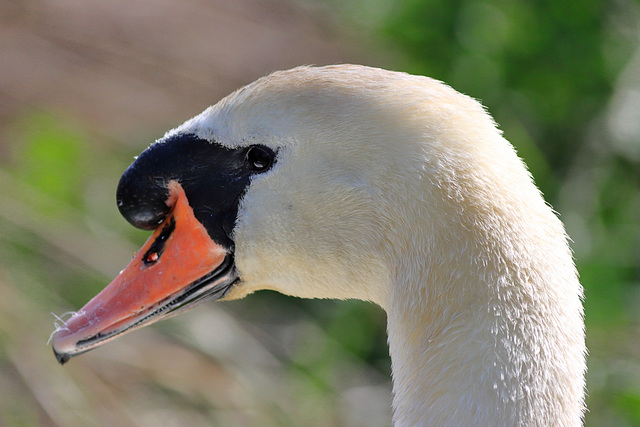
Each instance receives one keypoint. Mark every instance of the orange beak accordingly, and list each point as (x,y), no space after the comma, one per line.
(179,266)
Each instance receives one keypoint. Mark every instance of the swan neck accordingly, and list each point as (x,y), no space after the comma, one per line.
(487,330)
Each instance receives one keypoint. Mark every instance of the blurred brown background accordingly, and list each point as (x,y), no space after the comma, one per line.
(126,66)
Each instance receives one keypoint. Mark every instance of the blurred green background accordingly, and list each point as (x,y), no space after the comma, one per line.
(85,86)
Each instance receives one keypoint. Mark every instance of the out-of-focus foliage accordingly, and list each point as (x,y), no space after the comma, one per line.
(548,67)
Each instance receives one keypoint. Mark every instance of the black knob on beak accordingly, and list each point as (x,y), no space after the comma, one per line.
(142,198)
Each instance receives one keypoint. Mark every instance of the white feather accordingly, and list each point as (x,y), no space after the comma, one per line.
(399,190)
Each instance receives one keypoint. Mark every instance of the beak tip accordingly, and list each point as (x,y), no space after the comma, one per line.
(64,345)
(62,358)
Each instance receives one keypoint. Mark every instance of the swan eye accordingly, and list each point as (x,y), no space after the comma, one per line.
(259,158)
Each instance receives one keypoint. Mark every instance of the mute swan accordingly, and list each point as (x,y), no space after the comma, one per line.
(355,182)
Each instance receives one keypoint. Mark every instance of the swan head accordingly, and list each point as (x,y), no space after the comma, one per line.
(278,186)
(328,182)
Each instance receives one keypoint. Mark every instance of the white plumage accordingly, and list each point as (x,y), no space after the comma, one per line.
(397,189)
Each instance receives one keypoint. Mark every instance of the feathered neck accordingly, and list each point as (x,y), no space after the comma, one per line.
(484,315)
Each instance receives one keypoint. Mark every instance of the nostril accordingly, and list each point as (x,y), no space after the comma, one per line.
(155,251)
